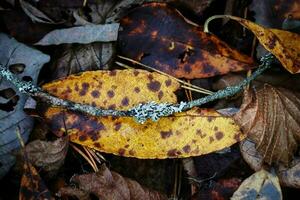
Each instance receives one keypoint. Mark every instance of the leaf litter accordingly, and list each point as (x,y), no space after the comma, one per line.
(192,133)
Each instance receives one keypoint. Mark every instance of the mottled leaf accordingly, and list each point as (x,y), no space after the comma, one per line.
(25,62)
(283,44)
(109,185)
(270,117)
(32,186)
(49,156)
(261,185)
(117,89)
(191,133)
(159,36)
(186,134)
(82,35)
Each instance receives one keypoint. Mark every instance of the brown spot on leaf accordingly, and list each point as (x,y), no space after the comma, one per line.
(131,152)
(112,107)
(121,152)
(168,82)
(172,152)
(209,118)
(110,93)
(154,86)
(219,135)
(113,72)
(95,93)
(137,90)
(215,128)
(84,89)
(125,101)
(136,72)
(97,144)
(272,42)
(126,146)
(211,139)
(166,134)
(186,148)
(237,136)
(199,132)
(160,95)
(82,138)
(76,87)
(118,126)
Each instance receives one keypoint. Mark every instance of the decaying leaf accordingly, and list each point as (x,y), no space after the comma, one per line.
(270,117)
(117,89)
(109,185)
(82,35)
(32,186)
(158,36)
(283,44)
(48,155)
(191,133)
(261,185)
(14,56)
(290,177)
(251,155)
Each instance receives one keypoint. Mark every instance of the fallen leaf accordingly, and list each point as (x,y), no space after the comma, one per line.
(260,185)
(35,14)
(109,185)
(282,44)
(32,186)
(14,56)
(290,176)
(81,34)
(50,155)
(159,36)
(270,118)
(190,133)
(117,89)
(87,57)
(251,155)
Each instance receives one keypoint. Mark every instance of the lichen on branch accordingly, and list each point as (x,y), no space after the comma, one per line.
(141,112)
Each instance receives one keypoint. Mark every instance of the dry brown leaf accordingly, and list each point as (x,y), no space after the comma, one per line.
(48,155)
(251,155)
(32,186)
(290,177)
(270,117)
(109,185)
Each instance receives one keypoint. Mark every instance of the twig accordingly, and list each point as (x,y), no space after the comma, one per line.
(141,112)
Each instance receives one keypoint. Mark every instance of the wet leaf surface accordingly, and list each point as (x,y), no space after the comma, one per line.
(269,116)
(158,36)
(260,185)
(14,56)
(107,185)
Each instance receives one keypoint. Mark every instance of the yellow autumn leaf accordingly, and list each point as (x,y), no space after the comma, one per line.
(284,45)
(190,133)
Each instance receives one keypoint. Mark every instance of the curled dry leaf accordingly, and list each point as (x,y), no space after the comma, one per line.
(190,133)
(48,155)
(109,185)
(32,186)
(283,44)
(158,36)
(270,117)
(260,185)
(81,34)
(251,155)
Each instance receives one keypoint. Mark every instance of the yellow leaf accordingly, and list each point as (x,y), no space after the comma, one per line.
(192,133)
(284,45)
(117,89)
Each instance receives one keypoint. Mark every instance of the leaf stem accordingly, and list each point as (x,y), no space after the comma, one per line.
(141,112)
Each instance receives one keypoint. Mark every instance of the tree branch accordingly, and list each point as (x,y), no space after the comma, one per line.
(141,112)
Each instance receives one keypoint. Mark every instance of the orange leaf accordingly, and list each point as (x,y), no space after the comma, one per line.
(283,44)
(158,36)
